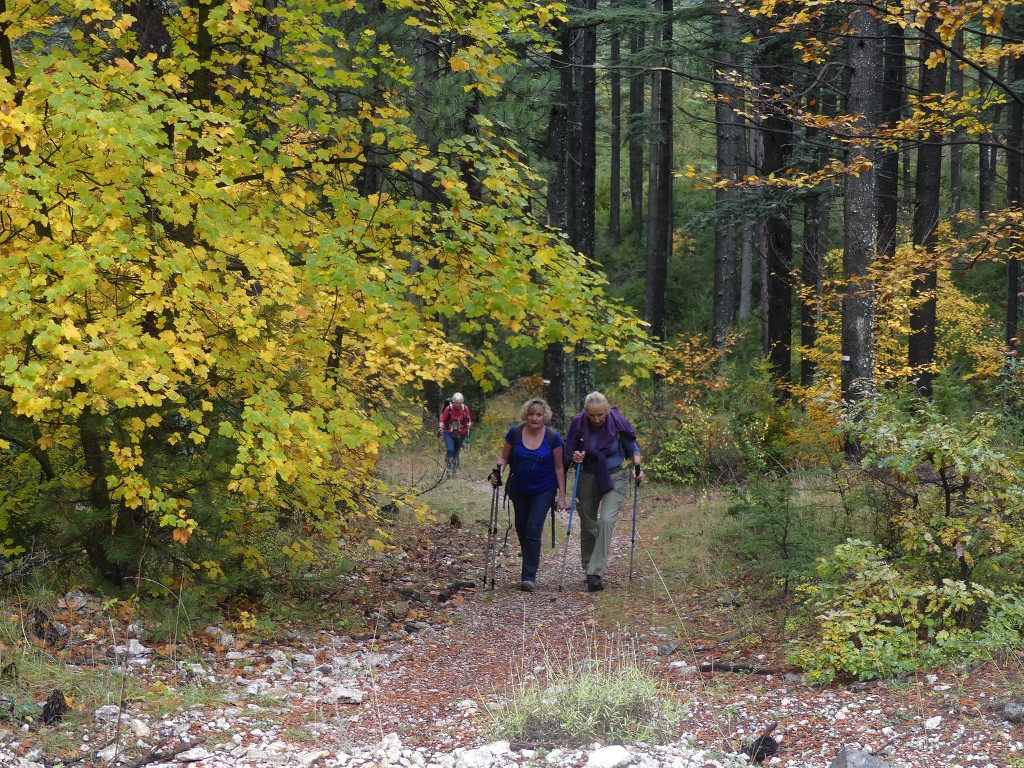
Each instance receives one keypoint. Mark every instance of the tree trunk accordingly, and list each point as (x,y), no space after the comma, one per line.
(559,366)
(582,229)
(750,234)
(615,161)
(928,183)
(730,157)
(636,138)
(1014,196)
(860,228)
(777,138)
(101,512)
(571,189)
(812,261)
(151,35)
(956,148)
(988,160)
(659,236)
(812,271)
(893,99)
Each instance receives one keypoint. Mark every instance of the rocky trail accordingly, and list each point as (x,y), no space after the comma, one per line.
(436,653)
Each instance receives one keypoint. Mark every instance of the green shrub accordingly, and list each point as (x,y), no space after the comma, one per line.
(779,535)
(701,452)
(874,621)
(956,495)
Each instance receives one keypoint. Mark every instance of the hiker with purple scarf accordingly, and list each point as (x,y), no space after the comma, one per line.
(607,464)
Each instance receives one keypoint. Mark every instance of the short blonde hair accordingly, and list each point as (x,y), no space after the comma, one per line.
(532,403)
(595,401)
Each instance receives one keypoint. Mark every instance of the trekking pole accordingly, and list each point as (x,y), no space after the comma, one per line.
(491,554)
(572,507)
(636,498)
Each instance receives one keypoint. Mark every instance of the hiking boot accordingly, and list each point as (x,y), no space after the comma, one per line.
(528,586)
(594,584)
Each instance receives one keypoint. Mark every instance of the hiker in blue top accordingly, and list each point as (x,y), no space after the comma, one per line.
(533,450)
(608,463)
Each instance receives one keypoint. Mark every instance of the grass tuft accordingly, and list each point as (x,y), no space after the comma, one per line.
(612,700)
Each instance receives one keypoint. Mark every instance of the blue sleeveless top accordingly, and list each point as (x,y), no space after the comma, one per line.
(533,471)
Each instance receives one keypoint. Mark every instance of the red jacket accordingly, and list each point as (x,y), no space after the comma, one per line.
(456,418)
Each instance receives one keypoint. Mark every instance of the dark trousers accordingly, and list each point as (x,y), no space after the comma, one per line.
(453,443)
(531,512)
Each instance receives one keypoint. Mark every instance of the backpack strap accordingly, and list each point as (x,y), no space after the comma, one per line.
(517,437)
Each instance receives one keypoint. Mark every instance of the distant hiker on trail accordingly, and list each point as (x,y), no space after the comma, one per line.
(455,424)
(533,450)
(609,462)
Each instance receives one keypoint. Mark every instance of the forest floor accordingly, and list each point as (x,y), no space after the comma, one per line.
(425,650)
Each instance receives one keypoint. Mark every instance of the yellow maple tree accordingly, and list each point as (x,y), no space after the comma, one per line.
(226,262)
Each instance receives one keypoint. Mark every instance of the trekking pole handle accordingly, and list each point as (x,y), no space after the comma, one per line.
(579,448)
(496,474)
(636,471)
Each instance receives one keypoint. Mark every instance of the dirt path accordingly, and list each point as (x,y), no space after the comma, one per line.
(427,670)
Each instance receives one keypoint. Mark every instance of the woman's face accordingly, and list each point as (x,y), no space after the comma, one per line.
(597,417)
(535,416)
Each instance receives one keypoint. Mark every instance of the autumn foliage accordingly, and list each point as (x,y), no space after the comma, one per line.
(228,260)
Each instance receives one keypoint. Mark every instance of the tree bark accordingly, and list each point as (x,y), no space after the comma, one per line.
(956,148)
(659,238)
(988,160)
(615,160)
(636,141)
(927,186)
(731,160)
(777,137)
(1014,196)
(860,225)
(572,189)
(893,101)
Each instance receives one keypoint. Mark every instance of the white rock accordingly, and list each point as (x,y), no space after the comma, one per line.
(390,748)
(933,722)
(342,695)
(108,713)
(615,756)
(74,600)
(107,754)
(139,728)
(308,758)
(682,668)
(135,648)
(193,755)
(482,757)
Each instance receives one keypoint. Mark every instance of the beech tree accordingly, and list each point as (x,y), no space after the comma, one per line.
(219,288)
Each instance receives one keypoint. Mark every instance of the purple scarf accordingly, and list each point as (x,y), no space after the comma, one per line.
(579,429)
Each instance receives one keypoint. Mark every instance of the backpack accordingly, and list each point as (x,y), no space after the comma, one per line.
(456,417)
